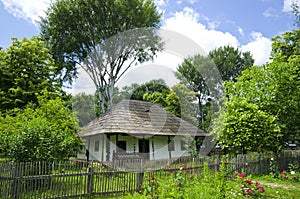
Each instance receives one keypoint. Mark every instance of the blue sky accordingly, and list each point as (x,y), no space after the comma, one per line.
(246,24)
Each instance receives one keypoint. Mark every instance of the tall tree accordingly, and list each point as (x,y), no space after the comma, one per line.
(26,69)
(192,74)
(105,37)
(231,61)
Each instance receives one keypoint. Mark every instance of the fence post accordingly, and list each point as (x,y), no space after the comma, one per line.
(90,181)
(217,163)
(16,185)
(140,175)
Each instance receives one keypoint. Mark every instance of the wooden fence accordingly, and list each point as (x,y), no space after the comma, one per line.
(79,179)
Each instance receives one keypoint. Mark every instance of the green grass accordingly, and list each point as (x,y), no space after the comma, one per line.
(279,188)
(211,186)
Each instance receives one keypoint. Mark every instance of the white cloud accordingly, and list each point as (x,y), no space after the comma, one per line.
(287,5)
(160,3)
(260,48)
(29,10)
(241,31)
(270,12)
(186,23)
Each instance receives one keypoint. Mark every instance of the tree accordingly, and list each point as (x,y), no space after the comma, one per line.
(104,37)
(230,61)
(84,108)
(296,12)
(192,74)
(169,101)
(286,46)
(40,133)
(26,69)
(127,91)
(155,85)
(246,128)
(264,96)
(187,98)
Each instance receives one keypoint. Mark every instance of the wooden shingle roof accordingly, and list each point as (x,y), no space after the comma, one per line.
(140,118)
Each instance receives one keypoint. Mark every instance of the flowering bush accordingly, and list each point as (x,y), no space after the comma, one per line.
(249,188)
(288,175)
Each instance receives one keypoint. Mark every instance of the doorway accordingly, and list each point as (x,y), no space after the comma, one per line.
(144,148)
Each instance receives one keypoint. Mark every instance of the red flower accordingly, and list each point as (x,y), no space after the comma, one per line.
(241,175)
(249,191)
(249,182)
(283,172)
(256,183)
(262,189)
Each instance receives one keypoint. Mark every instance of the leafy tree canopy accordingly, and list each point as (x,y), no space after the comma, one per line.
(155,85)
(40,133)
(286,46)
(106,37)
(169,101)
(196,73)
(245,128)
(84,107)
(26,69)
(265,96)
(231,61)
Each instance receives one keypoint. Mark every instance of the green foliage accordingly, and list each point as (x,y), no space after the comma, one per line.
(231,61)
(137,92)
(286,46)
(185,184)
(72,29)
(191,73)
(248,188)
(84,108)
(190,145)
(186,98)
(261,109)
(246,128)
(39,133)
(104,37)
(169,101)
(26,69)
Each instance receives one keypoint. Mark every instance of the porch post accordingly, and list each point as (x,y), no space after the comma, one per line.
(102,152)
(107,147)
(170,152)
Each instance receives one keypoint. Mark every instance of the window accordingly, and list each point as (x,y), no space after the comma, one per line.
(183,145)
(97,145)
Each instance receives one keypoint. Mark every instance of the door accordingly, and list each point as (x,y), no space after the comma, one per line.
(144,148)
(121,146)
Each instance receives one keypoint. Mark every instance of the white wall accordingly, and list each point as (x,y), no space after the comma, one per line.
(157,143)
(161,147)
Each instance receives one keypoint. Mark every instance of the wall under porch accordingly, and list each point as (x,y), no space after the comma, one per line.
(99,145)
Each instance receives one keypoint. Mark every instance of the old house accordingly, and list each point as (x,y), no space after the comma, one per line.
(138,127)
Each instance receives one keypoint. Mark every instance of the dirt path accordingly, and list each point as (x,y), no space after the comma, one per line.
(273,184)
